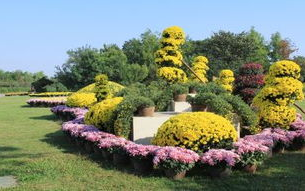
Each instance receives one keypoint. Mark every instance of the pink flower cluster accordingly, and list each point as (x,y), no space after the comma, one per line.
(76,129)
(44,102)
(138,150)
(112,142)
(96,136)
(175,153)
(298,123)
(214,157)
(75,111)
(243,146)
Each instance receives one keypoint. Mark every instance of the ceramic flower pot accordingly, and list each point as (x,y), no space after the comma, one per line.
(120,159)
(142,166)
(107,155)
(170,173)
(180,97)
(146,111)
(250,168)
(89,147)
(218,172)
(199,108)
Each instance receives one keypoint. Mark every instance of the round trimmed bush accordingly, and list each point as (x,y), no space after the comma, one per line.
(102,113)
(81,100)
(198,131)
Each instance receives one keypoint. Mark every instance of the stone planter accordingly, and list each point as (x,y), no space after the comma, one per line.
(107,155)
(199,108)
(120,159)
(180,97)
(217,172)
(174,175)
(146,111)
(250,168)
(142,166)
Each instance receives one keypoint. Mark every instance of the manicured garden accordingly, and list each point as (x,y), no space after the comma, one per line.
(36,151)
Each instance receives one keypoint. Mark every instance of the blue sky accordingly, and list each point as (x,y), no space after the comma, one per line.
(35,35)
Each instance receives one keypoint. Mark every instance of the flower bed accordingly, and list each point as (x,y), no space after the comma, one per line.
(46,102)
(248,152)
(50,94)
(16,94)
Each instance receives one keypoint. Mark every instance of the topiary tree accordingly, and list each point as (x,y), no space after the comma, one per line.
(200,67)
(101,87)
(169,57)
(226,79)
(198,131)
(249,81)
(281,90)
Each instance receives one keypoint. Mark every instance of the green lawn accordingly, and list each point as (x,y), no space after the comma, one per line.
(33,149)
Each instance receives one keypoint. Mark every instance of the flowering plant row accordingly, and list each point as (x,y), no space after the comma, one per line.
(50,94)
(250,150)
(47,101)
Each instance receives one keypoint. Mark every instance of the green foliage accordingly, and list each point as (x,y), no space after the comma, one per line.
(134,73)
(176,166)
(125,111)
(243,110)
(253,158)
(213,102)
(41,84)
(211,87)
(56,87)
(300,60)
(179,89)
(101,88)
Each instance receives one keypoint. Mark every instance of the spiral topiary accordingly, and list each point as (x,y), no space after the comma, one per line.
(281,90)
(226,79)
(198,131)
(200,67)
(101,87)
(169,57)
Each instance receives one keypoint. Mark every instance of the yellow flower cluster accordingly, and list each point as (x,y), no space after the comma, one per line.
(50,94)
(226,79)
(172,75)
(281,90)
(200,67)
(81,100)
(169,56)
(197,131)
(102,112)
(112,86)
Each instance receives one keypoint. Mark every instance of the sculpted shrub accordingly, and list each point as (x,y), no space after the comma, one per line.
(198,131)
(226,79)
(81,100)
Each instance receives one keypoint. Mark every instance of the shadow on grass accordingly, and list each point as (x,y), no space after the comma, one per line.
(60,141)
(45,117)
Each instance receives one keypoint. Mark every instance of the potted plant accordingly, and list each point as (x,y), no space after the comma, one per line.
(175,161)
(251,154)
(299,140)
(146,107)
(179,92)
(219,162)
(193,86)
(141,157)
(282,140)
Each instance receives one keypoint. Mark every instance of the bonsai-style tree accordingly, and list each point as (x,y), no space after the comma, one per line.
(200,67)
(101,87)
(226,79)
(169,57)
(249,81)
(282,89)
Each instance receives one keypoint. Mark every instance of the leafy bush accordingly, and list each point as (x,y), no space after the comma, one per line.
(211,87)
(102,114)
(178,89)
(81,100)
(56,87)
(198,131)
(249,81)
(125,111)
(113,88)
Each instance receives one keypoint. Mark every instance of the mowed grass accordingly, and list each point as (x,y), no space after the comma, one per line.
(34,150)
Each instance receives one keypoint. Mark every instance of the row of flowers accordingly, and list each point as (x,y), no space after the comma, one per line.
(248,152)
(50,94)
(46,102)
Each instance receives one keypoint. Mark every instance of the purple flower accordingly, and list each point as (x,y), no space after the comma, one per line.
(138,150)
(243,146)
(298,123)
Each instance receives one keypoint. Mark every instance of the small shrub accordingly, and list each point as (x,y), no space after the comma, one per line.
(178,89)
(81,100)
(101,88)
(198,131)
